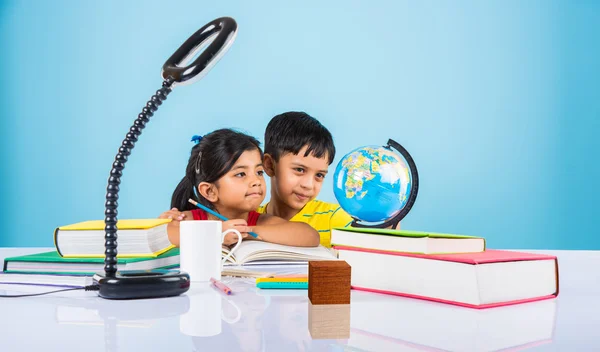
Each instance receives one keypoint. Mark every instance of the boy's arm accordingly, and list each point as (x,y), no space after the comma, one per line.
(277,230)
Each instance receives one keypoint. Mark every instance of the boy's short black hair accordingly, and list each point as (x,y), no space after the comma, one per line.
(291,131)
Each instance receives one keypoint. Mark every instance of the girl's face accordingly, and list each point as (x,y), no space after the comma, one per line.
(243,187)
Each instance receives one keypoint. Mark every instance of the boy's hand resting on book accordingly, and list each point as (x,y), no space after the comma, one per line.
(239,224)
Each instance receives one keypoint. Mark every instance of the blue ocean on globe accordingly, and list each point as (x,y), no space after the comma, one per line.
(372,183)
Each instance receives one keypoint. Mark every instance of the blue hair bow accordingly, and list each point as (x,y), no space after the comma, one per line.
(196,139)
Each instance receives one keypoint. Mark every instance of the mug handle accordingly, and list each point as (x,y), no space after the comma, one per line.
(237,317)
(236,246)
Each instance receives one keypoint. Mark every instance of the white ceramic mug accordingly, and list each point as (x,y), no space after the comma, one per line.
(200,243)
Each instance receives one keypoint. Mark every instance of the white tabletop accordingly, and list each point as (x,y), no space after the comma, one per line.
(280,320)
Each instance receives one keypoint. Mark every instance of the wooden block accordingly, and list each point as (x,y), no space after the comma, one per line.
(329,321)
(329,282)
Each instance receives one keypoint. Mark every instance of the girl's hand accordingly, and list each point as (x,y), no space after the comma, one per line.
(239,224)
(173,214)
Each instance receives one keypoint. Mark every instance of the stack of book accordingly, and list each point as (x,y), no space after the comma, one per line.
(445,268)
(143,244)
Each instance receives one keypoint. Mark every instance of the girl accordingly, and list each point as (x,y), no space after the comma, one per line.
(225,173)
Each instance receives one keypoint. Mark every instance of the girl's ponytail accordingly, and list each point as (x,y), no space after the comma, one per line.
(183,192)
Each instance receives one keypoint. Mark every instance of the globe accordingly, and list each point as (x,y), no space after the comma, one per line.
(373,183)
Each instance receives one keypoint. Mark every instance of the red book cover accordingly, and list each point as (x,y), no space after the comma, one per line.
(486,257)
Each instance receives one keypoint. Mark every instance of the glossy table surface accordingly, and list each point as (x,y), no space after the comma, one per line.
(251,319)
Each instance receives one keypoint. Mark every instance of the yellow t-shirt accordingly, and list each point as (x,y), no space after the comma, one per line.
(321,216)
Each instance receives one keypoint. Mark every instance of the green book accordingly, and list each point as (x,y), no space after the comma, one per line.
(53,263)
(283,285)
(407,241)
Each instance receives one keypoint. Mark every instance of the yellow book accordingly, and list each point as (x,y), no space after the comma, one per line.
(126,224)
(298,278)
(136,238)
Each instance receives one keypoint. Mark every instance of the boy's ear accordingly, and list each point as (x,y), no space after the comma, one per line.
(269,165)
(208,191)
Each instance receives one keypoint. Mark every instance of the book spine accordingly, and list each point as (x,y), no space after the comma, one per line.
(283,285)
(56,242)
(281,279)
(557,279)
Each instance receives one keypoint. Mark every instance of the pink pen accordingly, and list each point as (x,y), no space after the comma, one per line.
(221,286)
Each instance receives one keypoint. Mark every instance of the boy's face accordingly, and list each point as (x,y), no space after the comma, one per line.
(296,179)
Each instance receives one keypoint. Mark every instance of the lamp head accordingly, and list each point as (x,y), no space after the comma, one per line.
(214,37)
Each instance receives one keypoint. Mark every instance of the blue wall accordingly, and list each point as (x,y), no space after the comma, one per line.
(498,102)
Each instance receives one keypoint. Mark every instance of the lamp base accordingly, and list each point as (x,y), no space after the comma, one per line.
(142,284)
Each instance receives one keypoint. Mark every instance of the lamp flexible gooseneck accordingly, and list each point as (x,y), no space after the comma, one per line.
(216,36)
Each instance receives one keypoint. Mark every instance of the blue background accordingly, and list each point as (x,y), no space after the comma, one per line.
(498,102)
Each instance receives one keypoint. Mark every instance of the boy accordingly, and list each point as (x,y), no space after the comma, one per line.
(298,152)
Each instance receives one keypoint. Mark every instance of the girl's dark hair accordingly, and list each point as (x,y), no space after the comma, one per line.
(211,158)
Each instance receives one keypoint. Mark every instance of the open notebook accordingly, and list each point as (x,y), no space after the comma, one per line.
(258,252)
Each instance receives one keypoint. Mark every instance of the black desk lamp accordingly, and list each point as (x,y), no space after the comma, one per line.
(158,283)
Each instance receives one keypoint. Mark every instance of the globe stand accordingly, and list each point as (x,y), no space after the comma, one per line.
(393,222)
(157,283)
